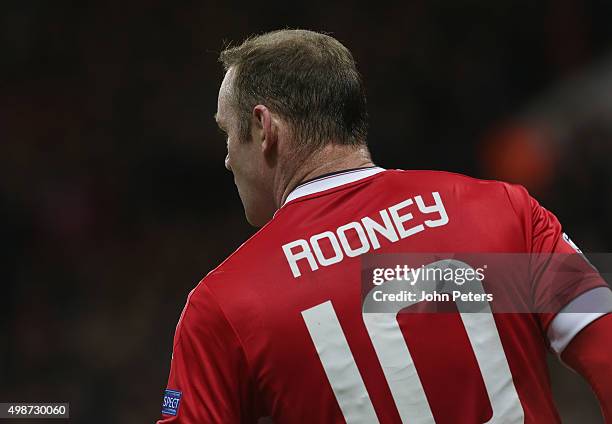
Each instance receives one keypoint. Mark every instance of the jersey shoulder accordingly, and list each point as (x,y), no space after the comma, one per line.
(253,261)
(446,179)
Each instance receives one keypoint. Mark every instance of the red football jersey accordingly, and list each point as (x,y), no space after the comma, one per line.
(278,329)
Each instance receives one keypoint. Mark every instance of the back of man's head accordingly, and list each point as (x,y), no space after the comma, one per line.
(309,79)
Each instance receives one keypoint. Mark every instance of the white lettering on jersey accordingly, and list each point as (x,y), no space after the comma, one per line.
(372,227)
(338,255)
(395,226)
(305,253)
(350,252)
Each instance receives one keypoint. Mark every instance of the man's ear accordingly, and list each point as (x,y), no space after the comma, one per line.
(265,128)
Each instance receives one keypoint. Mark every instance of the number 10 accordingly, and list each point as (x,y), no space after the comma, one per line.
(397,364)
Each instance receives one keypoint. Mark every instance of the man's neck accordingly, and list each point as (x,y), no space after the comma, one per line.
(331,158)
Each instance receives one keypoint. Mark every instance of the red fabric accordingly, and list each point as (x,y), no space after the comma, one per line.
(242,349)
(209,366)
(590,354)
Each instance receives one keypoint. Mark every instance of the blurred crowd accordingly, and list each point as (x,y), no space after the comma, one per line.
(113,195)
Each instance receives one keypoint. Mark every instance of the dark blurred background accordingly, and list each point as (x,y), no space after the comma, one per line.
(114,200)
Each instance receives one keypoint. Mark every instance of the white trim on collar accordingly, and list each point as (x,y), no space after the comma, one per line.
(331,181)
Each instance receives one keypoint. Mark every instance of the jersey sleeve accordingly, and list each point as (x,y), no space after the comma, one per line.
(559,272)
(590,354)
(209,377)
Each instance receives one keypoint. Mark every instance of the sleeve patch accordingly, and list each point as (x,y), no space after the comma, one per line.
(571,243)
(172,400)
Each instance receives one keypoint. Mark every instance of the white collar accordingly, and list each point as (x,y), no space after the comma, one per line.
(331,181)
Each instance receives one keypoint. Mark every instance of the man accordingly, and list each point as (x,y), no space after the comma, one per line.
(280,329)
